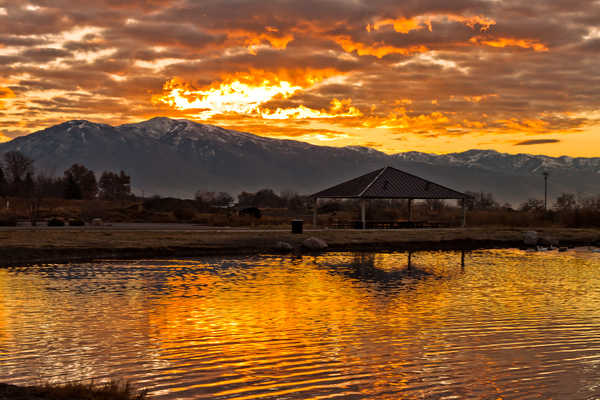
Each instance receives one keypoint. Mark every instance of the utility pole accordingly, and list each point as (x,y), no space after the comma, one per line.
(546,190)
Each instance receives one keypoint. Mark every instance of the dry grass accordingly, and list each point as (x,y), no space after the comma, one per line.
(63,245)
(107,238)
(113,390)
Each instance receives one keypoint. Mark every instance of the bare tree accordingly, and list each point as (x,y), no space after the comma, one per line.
(115,186)
(17,165)
(565,202)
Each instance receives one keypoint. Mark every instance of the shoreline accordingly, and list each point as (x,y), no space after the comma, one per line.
(37,246)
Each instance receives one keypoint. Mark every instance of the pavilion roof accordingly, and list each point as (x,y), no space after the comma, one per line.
(389,183)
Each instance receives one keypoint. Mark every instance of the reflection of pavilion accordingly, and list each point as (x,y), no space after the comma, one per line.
(369,267)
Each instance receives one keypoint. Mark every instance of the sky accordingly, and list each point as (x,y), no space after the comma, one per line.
(435,76)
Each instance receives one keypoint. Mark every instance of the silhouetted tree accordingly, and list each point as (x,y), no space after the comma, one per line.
(3,183)
(115,186)
(33,197)
(262,198)
(590,203)
(267,198)
(28,187)
(204,196)
(49,186)
(534,205)
(17,166)
(223,199)
(481,201)
(435,204)
(80,183)
(565,202)
(292,200)
(71,187)
(245,199)
(251,211)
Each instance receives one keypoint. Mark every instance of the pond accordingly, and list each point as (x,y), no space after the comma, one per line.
(487,324)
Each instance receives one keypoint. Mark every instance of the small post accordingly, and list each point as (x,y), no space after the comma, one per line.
(363,213)
(316,205)
(546,191)
(464,210)
(409,209)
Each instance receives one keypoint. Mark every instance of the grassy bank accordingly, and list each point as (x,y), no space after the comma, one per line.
(80,391)
(70,245)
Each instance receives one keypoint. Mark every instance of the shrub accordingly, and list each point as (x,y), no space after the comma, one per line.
(8,220)
(76,222)
(113,390)
(56,222)
(251,211)
(330,207)
(184,214)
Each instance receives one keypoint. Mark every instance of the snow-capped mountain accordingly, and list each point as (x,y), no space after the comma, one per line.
(178,157)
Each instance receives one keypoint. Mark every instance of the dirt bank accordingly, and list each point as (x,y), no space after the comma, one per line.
(18,247)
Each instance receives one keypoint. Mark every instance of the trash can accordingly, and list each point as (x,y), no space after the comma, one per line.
(297,225)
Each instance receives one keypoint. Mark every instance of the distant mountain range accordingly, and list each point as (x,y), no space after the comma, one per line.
(178,157)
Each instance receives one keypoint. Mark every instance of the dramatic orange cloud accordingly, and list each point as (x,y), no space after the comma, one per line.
(341,73)
(526,126)
(5,93)
(338,109)
(405,25)
(401,25)
(510,42)
(271,36)
(378,50)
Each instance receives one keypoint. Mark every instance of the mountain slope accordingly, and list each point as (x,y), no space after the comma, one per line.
(178,157)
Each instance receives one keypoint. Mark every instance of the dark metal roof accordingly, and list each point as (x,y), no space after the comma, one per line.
(389,183)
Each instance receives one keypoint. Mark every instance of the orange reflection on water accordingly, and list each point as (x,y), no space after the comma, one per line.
(506,322)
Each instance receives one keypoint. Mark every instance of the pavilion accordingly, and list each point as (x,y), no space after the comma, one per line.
(388,183)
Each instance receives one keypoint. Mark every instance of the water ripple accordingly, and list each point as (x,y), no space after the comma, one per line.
(507,324)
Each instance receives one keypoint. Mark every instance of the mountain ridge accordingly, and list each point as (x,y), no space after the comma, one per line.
(177,157)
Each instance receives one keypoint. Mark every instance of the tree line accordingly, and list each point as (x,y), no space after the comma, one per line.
(565,202)
(18,178)
(263,198)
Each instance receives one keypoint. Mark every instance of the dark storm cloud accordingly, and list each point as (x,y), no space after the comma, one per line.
(536,141)
(41,54)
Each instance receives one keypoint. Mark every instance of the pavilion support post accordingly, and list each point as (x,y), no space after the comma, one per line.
(464,212)
(409,209)
(363,213)
(315,207)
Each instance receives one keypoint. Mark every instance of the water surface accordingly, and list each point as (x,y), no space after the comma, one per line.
(504,324)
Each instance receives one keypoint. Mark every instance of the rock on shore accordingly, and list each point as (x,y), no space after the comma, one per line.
(314,243)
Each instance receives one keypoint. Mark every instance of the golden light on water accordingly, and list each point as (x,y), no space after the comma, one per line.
(337,324)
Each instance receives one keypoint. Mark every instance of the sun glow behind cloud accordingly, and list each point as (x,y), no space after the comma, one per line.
(249,95)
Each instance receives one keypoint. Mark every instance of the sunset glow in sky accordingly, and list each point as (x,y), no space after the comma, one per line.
(428,75)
